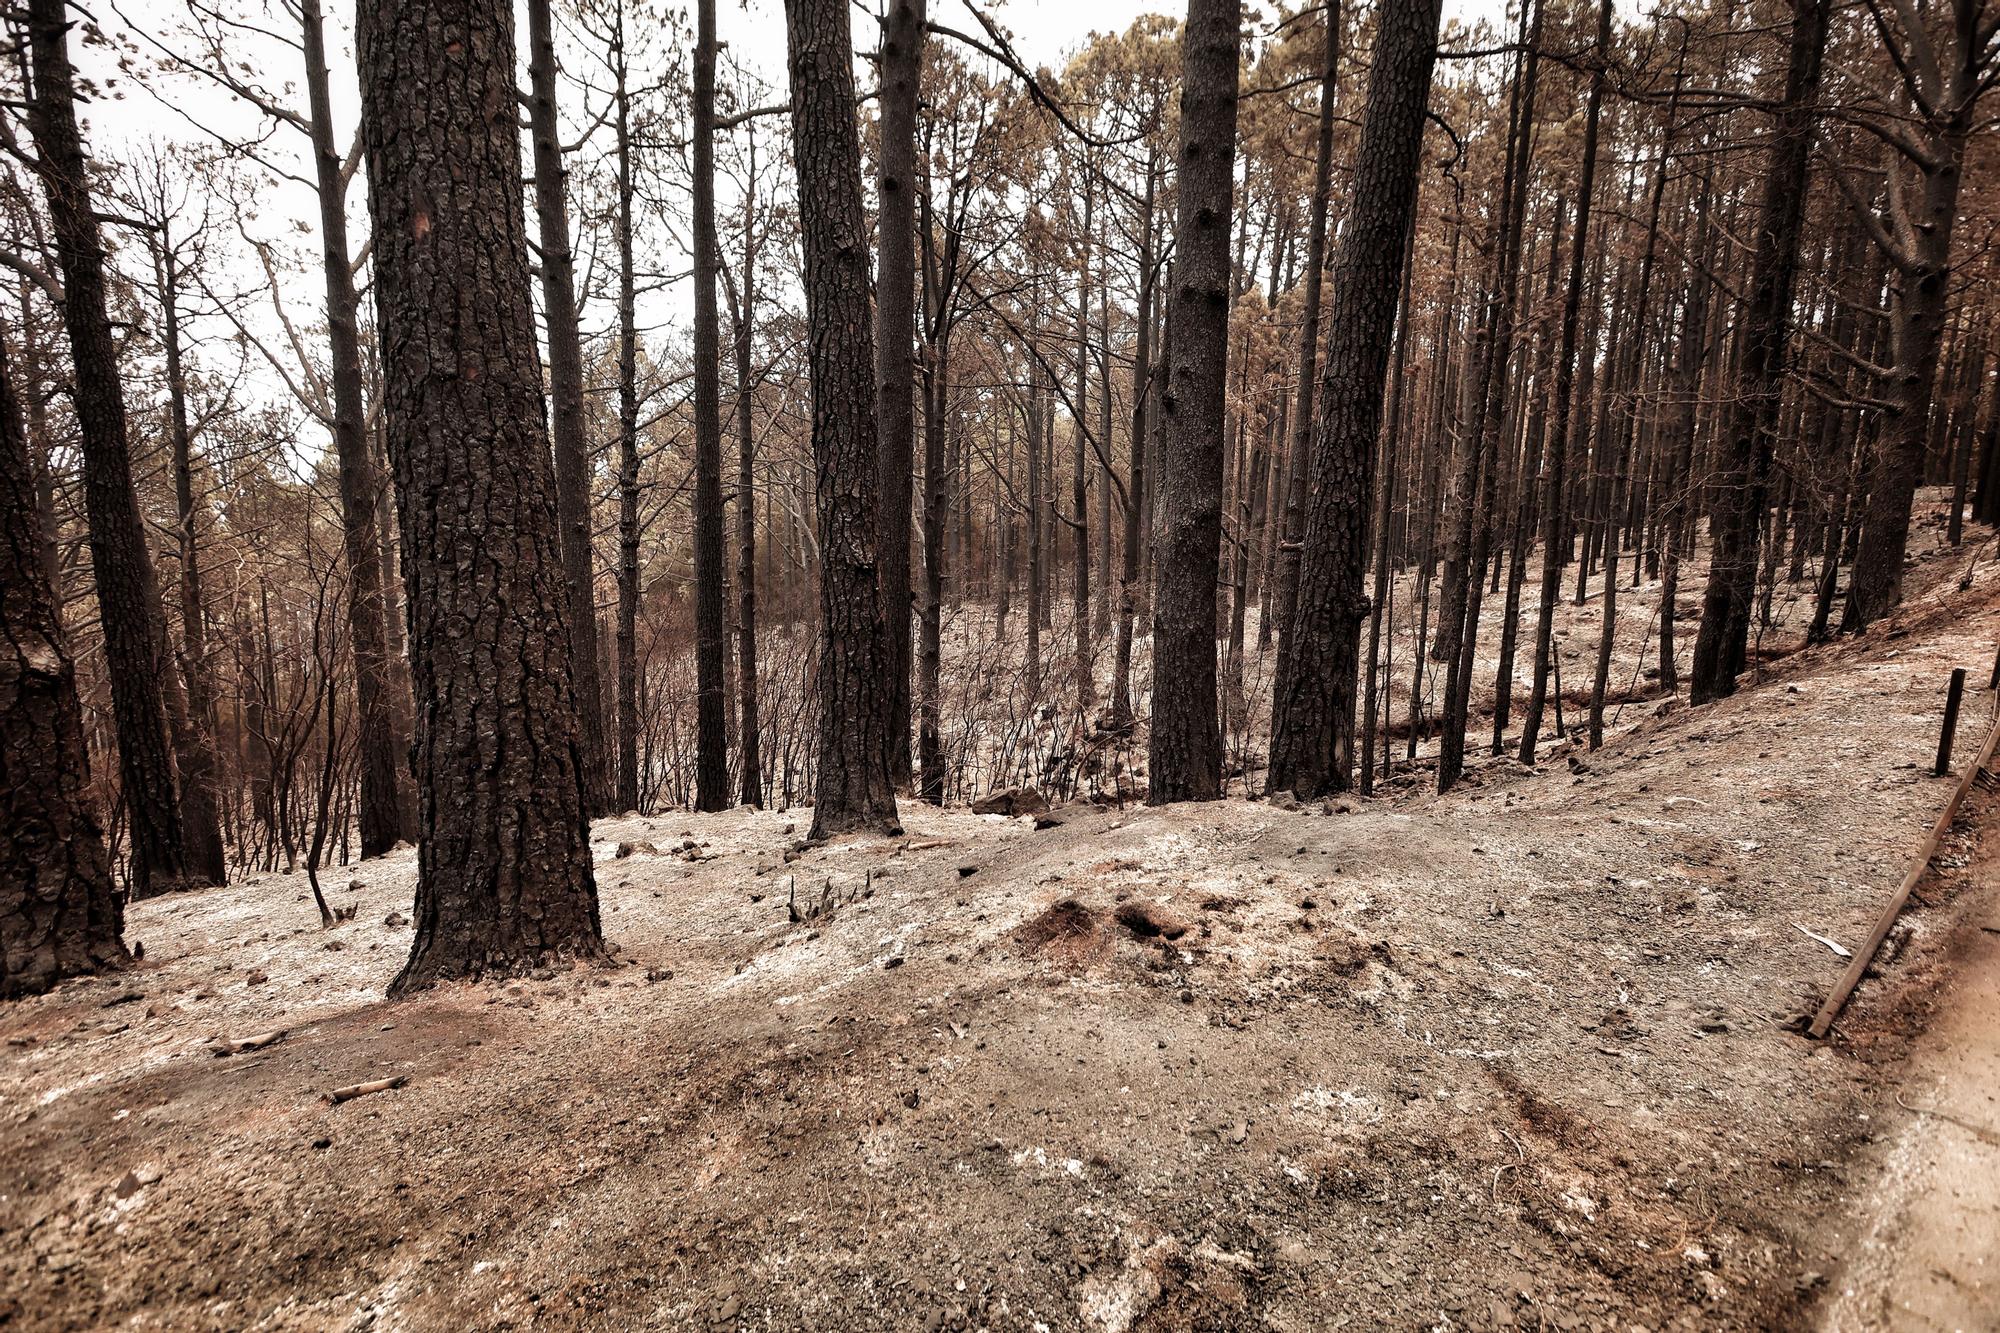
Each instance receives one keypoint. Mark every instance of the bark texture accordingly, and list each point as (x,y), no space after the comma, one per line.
(127,595)
(1743,479)
(1312,725)
(504,873)
(711,648)
(1185,746)
(895,315)
(856,785)
(59,914)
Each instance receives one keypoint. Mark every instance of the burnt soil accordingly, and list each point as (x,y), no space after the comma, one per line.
(1526,1056)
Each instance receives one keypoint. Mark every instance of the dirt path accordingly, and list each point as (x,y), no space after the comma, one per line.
(1929,1255)
(1526,1057)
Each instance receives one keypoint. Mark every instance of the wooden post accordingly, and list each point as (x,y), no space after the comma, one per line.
(1951,702)
(1829,1011)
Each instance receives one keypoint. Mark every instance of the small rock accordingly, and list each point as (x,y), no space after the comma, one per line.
(394,919)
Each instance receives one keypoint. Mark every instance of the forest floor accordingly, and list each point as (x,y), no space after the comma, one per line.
(1524,1056)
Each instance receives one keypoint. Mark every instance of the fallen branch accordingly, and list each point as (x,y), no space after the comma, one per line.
(353,1090)
(237,1045)
(1886,921)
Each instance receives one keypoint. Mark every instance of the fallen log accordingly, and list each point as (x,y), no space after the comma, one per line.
(1863,956)
(220,1046)
(353,1090)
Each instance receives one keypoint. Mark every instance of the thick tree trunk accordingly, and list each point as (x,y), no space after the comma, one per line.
(572,445)
(1312,722)
(127,595)
(388,800)
(856,781)
(1185,747)
(59,914)
(711,639)
(1923,220)
(1722,640)
(901,66)
(504,878)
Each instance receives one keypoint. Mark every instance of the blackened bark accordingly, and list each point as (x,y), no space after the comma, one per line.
(745,309)
(1312,723)
(930,629)
(1462,588)
(711,648)
(1743,479)
(1922,221)
(1135,509)
(1385,485)
(1185,746)
(1086,681)
(1037,546)
(895,324)
(1292,525)
(194,743)
(387,811)
(572,446)
(626,635)
(1555,492)
(504,874)
(127,595)
(59,914)
(856,783)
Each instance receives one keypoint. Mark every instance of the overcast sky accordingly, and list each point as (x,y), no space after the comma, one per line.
(182,109)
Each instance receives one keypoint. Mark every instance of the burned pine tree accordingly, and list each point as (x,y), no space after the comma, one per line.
(128,596)
(504,873)
(856,782)
(60,915)
(1312,724)
(1185,748)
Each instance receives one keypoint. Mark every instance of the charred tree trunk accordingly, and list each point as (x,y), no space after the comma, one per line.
(572,446)
(1555,475)
(194,748)
(856,782)
(627,632)
(1185,747)
(59,913)
(388,800)
(1312,722)
(1135,510)
(711,648)
(745,309)
(1722,640)
(127,595)
(1462,585)
(504,875)
(901,67)
(1292,524)
(1947,82)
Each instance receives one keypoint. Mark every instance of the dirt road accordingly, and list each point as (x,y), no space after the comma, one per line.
(1929,1256)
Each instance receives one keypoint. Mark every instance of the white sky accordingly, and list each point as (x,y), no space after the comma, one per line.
(180,106)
